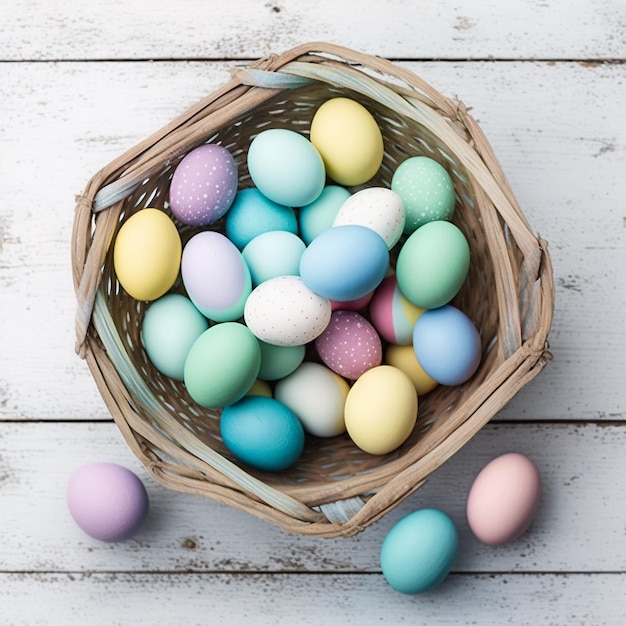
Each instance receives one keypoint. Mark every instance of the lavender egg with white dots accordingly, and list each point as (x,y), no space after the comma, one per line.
(204,185)
(349,345)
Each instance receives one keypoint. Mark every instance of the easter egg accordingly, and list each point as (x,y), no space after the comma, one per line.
(274,253)
(252,214)
(283,311)
(279,361)
(222,365)
(392,315)
(447,345)
(317,396)
(262,433)
(377,208)
(503,499)
(286,167)
(432,264)
(426,190)
(260,388)
(352,305)
(345,262)
(319,215)
(146,254)
(349,345)
(419,551)
(168,330)
(349,140)
(381,409)
(215,276)
(107,501)
(204,185)
(403,357)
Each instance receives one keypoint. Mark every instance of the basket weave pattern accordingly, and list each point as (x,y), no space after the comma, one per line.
(334,489)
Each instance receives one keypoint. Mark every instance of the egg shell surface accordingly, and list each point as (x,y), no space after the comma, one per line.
(107,501)
(319,215)
(168,330)
(377,208)
(349,345)
(381,409)
(252,213)
(426,190)
(432,264)
(503,499)
(204,185)
(403,357)
(216,277)
(447,345)
(392,315)
(274,253)
(279,361)
(349,140)
(345,262)
(286,167)
(262,433)
(260,388)
(146,254)
(352,305)
(222,365)
(283,311)
(317,395)
(419,551)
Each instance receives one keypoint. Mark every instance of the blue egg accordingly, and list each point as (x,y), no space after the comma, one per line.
(252,213)
(345,263)
(263,433)
(418,552)
(447,345)
(318,216)
(274,253)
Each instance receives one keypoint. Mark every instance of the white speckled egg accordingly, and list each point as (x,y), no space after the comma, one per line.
(283,311)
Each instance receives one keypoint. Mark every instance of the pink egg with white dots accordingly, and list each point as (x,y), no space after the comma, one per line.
(204,185)
(350,345)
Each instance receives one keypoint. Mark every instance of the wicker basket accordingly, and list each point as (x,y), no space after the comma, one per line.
(335,489)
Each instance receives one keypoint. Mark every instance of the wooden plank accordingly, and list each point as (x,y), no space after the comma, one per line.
(111,599)
(70,119)
(579,526)
(442,29)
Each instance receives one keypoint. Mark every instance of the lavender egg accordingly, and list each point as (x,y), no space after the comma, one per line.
(204,185)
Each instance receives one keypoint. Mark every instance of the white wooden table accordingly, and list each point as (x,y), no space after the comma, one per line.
(81,82)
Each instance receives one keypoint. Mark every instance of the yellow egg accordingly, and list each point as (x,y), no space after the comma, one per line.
(403,357)
(147,254)
(381,409)
(347,136)
(260,388)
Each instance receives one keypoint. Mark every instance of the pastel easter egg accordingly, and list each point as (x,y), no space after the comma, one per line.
(260,388)
(377,208)
(283,311)
(319,215)
(345,262)
(252,213)
(392,315)
(215,276)
(204,185)
(279,361)
(286,167)
(350,345)
(352,305)
(403,357)
(274,253)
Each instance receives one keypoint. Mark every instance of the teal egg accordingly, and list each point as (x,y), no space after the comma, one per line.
(274,253)
(426,190)
(169,328)
(222,365)
(433,264)
(318,216)
(279,361)
(263,433)
(419,551)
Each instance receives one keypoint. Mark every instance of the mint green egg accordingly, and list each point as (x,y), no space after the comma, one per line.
(426,190)
(274,253)
(222,365)
(279,361)
(432,264)
(320,214)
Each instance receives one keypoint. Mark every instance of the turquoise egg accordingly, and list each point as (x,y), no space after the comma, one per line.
(418,552)
(274,253)
(263,433)
(252,213)
(279,361)
(169,328)
(286,167)
(318,216)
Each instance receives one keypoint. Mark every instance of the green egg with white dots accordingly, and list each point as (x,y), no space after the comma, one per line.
(426,190)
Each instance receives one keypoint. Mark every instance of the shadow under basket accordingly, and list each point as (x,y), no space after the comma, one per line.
(334,489)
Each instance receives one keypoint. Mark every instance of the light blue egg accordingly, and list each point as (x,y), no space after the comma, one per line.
(447,345)
(263,433)
(252,213)
(418,552)
(274,253)
(318,216)
(345,263)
